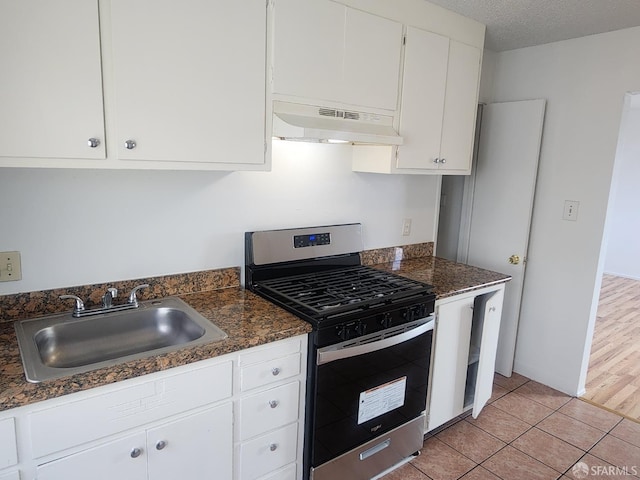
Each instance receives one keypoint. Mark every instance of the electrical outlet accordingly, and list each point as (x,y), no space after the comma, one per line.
(406,227)
(570,210)
(10,267)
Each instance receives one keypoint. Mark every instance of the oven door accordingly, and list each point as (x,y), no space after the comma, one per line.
(368,386)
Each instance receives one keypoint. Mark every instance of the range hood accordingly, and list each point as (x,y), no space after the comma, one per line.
(313,123)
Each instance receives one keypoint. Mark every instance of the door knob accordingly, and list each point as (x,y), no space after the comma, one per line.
(130,144)
(514,259)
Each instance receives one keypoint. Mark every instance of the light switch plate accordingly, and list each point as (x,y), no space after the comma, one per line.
(10,267)
(570,210)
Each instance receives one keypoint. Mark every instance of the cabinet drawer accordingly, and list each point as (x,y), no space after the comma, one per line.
(8,451)
(287,473)
(16,476)
(268,410)
(268,452)
(269,372)
(109,413)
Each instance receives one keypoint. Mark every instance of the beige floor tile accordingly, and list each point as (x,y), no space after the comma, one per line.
(542,394)
(523,408)
(548,449)
(497,393)
(590,414)
(510,383)
(618,452)
(628,431)
(510,463)
(571,430)
(441,462)
(406,472)
(471,441)
(480,473)
(499,423)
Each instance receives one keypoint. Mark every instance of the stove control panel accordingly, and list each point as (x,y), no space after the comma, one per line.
(311,240)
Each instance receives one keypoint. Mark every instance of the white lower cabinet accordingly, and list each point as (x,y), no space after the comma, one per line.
(270,416)
(464,354)
(190,423)
(185,448)
(116,459)
(12,476)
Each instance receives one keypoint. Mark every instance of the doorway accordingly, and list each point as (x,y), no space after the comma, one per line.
(613,375)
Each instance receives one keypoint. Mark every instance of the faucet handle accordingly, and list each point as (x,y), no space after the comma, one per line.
(133,300)
(79,303)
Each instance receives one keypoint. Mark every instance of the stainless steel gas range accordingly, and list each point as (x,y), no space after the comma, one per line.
(369,352)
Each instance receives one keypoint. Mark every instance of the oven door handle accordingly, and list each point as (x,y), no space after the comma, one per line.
(347,352)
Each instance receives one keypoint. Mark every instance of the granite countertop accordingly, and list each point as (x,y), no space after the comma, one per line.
(448,277)
(247,319)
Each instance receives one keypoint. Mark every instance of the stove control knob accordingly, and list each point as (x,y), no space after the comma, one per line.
(361,328)
(386,320)
(343,332)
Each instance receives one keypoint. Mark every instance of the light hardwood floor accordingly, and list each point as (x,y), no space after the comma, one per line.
(613,378)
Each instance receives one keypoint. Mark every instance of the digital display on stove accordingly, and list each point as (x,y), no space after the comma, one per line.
(311,240)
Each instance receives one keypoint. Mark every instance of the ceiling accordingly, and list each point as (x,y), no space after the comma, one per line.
(523,23)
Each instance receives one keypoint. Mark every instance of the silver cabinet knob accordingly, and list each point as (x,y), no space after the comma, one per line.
(136,452)
(273,403)
(443,160)
(275,371)
(93,142)
(130,144)
(161,444)
(436,160)
(273,447)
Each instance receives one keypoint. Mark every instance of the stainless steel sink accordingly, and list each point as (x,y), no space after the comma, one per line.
(60,345)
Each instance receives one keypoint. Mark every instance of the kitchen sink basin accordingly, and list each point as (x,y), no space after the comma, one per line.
(60,345)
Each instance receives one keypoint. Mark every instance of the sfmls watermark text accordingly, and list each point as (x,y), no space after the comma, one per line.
(581,470)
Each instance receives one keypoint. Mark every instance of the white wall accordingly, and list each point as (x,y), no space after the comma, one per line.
(76,227)
(623,227)
(584,82)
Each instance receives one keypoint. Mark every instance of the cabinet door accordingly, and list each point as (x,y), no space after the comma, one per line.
(460,106)
(189,80)
(371,60)
(51,83)
(451,355)
(198,446)
(488,349)
(8,449)
(324,51)
(308,48)
(423,99)
(113,460)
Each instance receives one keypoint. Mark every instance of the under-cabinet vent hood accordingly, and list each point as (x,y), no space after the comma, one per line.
(311,123)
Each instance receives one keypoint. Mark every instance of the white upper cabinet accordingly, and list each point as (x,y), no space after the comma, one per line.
(423,94)
(326,52)
(437,110)
(50,85)
(460,108)
(189,80)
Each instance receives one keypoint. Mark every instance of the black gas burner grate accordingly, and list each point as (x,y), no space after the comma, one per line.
(341,290)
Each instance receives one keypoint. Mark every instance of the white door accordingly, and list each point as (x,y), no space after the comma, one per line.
(505,180)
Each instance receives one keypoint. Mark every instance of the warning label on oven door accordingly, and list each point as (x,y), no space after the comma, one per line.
(381,399)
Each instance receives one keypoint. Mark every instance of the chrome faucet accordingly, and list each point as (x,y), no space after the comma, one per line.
(107,298)
(80,310)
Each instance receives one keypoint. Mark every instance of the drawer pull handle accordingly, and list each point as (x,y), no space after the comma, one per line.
(136,452)
(161,444)
(273,403)
(273,447)
(275,371)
